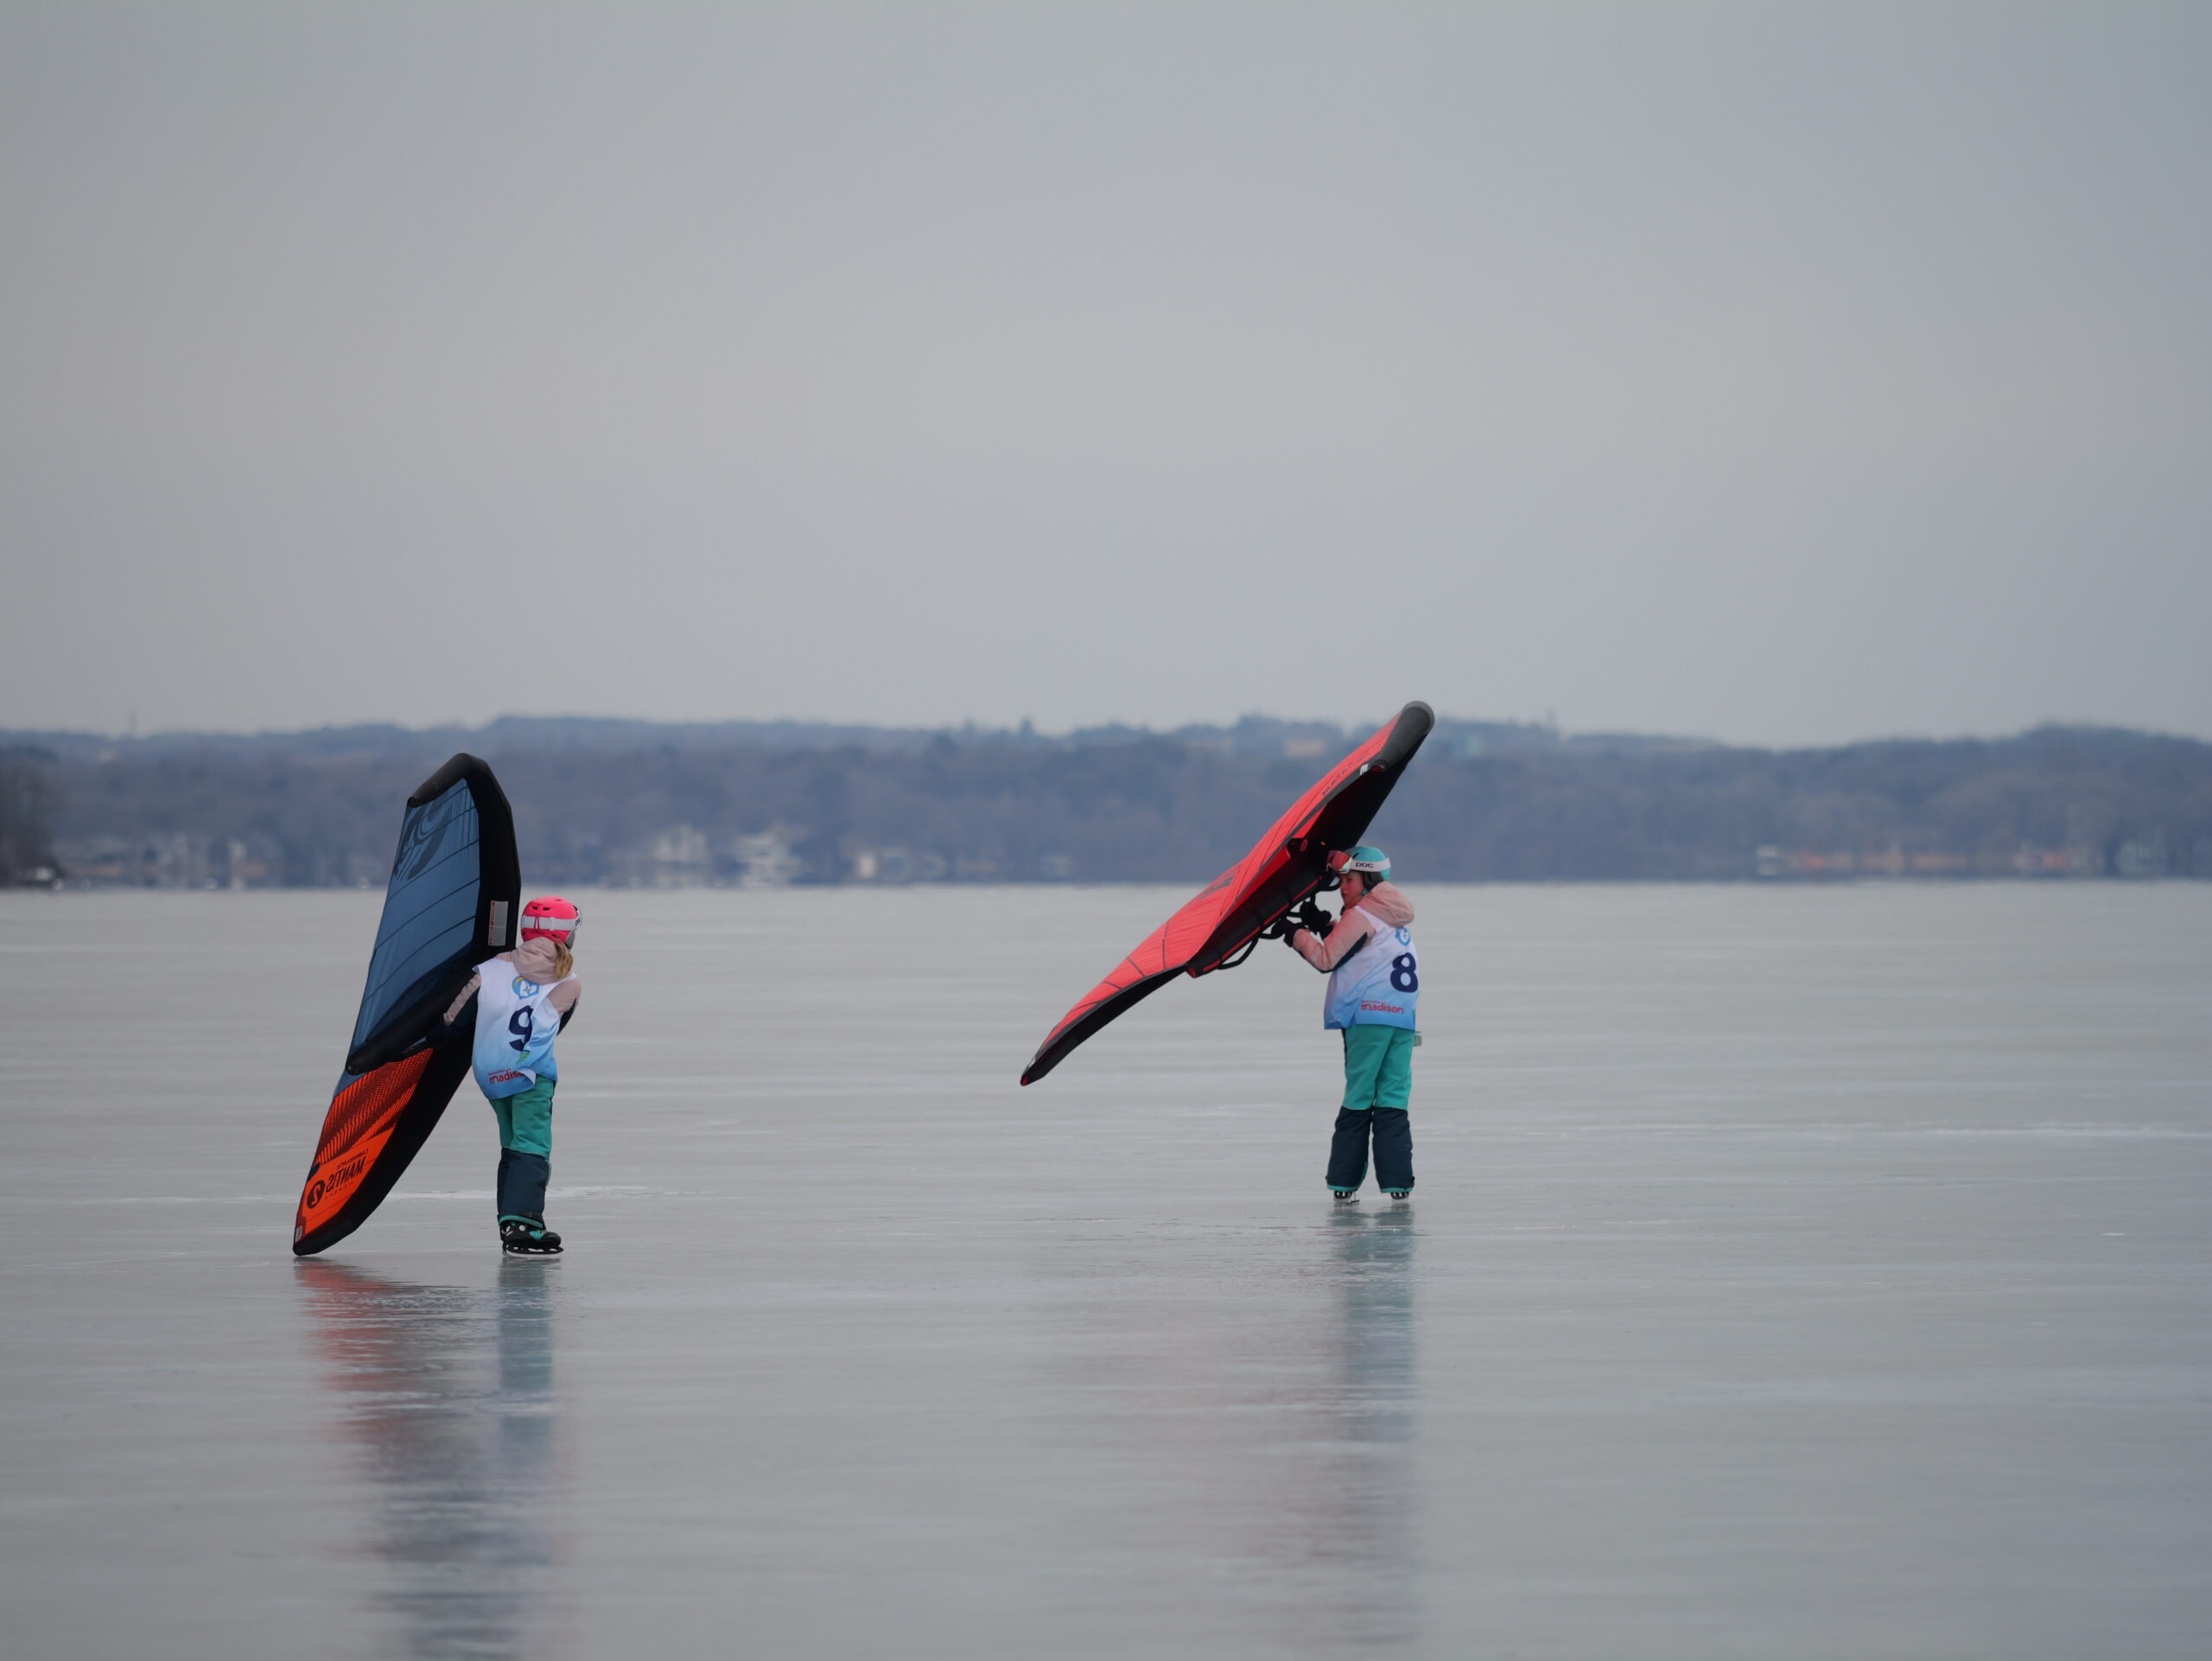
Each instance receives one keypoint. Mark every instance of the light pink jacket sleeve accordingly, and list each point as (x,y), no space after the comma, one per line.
(563,998)
(453,1011)
(1383,907)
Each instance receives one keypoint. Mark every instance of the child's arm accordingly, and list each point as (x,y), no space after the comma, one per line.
(453,1009)
(563,998)
(1353,927)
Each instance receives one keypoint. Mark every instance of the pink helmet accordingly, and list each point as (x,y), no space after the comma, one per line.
(550,917)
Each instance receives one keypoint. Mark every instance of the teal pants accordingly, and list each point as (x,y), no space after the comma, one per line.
(1378,1088)
(525,1151)
(1378,1066)
(526,1120)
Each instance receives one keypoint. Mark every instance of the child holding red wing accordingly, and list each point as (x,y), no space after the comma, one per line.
(1373,995)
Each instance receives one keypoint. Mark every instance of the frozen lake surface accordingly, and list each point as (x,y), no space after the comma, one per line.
(1792,1274)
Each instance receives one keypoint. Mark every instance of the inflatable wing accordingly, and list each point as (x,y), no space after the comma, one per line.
(1219,926)
(454,899)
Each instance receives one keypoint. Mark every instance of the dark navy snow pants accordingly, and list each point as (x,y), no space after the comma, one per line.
(1393,1134)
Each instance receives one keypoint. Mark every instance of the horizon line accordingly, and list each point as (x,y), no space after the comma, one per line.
(1026,729)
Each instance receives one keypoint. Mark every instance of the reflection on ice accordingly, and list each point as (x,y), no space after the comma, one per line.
(1370,1468)
(1375,1258)
(1235,1416)
(447,1397)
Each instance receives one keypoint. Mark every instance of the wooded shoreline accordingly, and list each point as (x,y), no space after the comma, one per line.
(639,804)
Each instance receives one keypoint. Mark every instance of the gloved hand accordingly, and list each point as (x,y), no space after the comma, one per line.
(1310,916)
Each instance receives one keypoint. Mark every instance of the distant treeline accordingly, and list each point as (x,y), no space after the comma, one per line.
(623,802)
(26,822)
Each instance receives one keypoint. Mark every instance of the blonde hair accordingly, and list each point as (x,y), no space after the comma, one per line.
(565,961)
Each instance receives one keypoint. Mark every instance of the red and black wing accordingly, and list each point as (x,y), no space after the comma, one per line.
(1284,866)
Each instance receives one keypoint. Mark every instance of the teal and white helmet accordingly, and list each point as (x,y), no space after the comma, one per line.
(1365,860)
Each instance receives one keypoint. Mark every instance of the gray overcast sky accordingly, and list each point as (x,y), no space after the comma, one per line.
(1780,372)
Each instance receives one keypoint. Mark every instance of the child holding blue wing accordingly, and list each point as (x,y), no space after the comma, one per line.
(524,998)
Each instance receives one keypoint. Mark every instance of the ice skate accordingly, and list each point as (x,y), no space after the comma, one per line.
(527,1239)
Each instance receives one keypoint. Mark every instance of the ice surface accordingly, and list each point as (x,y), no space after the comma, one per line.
(1792,1274)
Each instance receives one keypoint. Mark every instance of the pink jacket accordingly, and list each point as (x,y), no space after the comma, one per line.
(533,960)
(1384,906)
